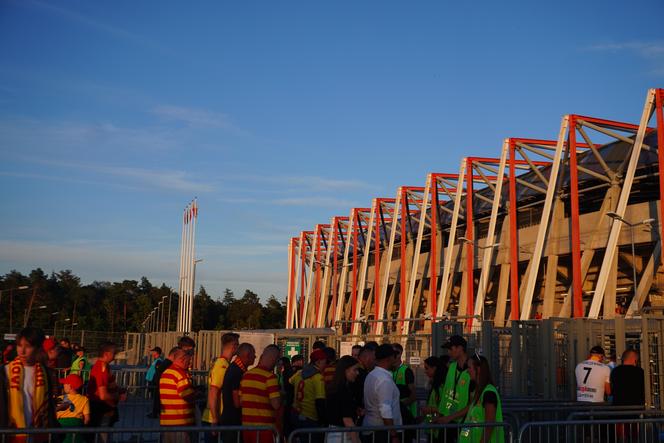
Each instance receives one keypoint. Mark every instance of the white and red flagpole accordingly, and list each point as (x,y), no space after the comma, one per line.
(187,264)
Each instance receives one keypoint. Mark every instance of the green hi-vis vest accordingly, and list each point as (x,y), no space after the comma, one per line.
(434,400)
(400,379)
(476,414)
(455,391)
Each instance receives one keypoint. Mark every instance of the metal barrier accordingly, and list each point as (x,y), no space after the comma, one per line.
(606,415)
(582,431)
(558,412)
(406,433)
(179,434)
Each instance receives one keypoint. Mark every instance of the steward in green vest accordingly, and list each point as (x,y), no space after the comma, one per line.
(457,382)
(404,378)
(485,407)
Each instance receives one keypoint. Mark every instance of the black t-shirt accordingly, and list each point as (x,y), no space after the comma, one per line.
(340,404)
(628,385)
(231,415)
(358,385)
(64,359)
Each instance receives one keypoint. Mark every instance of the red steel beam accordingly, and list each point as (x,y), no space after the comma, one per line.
(514,243)
(659,104)
(291,284)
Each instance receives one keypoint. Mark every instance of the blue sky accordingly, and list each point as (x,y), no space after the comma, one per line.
(277,115)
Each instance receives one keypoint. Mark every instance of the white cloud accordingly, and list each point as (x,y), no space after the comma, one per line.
(308,182)
(197,117)
(653,52)
(315,201)
(160,179)
(105,28)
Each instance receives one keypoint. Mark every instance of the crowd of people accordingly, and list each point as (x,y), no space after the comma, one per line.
(323,392)
(42,382)
(371,387)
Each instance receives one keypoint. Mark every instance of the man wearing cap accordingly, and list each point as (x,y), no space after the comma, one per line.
(157,357)
(381,396)
(593,378)
(310,393)
(73,410)
(457,385)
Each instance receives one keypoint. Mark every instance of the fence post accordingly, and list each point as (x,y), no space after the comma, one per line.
(620,337)
(645,360)
(546,344)
(487,342)
(517,379)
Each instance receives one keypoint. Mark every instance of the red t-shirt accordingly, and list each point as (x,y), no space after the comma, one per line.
(100,375)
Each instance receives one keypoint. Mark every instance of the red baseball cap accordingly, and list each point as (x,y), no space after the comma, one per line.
(72,380)
(49,344)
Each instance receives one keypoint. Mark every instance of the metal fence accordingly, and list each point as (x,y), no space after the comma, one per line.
(535,359)
(606,426)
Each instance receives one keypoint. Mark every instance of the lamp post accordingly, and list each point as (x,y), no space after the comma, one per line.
(55,326)
(646,222)
(11,304)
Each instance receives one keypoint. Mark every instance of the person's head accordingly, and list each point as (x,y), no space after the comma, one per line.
(318,344)
(155,352)
(186,343)
(331,355)
(71,383)
(399,352)
(80,351)
(436,369)
(480,373)
(107,351)
(284,364)
(269,357)
(596,353)
(247,354)
(367,358)
(229,343)
(345,372)
(64,343)
(50,346)
(318,358)
(630,357)
(171,353)
(386,357)
(28,343)
(355,351)
(182,358)
(371,345)
(456,347)
(297,361)
(430,365)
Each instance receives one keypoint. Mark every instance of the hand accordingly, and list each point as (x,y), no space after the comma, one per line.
(61,407)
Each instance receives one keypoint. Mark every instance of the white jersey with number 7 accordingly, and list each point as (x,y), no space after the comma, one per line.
(591,377)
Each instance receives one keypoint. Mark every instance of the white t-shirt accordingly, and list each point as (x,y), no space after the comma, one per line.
(28,391)
(591,377)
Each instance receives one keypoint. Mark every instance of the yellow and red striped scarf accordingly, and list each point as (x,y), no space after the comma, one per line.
(39,400)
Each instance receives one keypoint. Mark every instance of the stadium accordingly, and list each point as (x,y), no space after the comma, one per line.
(559,228)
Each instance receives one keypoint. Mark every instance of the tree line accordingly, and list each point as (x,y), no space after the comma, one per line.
(59,300)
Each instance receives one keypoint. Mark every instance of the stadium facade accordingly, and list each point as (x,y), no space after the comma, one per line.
(549,228)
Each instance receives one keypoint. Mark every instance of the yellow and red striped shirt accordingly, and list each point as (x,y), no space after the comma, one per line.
(257,388)
(175,391)
(328,373)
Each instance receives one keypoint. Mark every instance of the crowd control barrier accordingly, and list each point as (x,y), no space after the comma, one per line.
(179,434)
(438,433)
(619,430)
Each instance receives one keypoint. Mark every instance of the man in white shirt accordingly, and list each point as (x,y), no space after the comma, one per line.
(381,395)
(593,378)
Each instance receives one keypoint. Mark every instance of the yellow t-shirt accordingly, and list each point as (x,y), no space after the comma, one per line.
(216,379)
(81,406)
(308,391)
(295,382)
